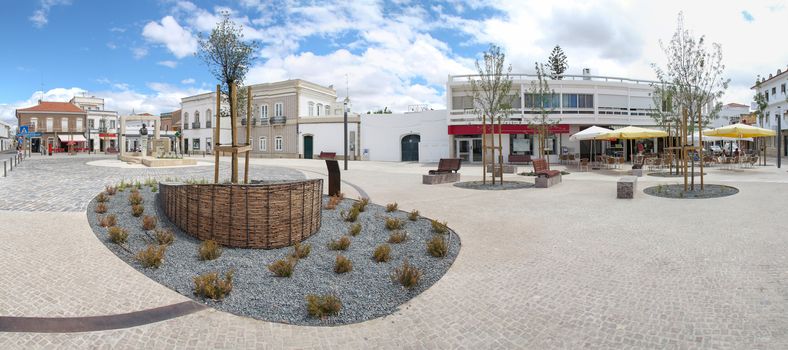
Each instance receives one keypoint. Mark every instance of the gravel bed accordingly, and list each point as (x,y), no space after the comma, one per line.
(507,185)
(677,191)
(668,174)
(366,292)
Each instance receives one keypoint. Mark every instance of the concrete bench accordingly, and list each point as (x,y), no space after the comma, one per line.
(544,181)
(507,168)
(442,178)
(626,187)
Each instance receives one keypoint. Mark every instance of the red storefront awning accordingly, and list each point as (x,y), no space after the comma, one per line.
(505,129)
(107,135)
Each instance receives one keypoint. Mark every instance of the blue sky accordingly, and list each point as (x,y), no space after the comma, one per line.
(139,54)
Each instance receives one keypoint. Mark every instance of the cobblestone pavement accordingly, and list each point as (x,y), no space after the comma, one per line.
(67,183)
(561,268)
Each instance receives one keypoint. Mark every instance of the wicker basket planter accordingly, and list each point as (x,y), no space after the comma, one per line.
(262,216)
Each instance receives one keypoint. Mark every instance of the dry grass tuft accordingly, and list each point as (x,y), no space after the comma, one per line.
(102,198)
(333,201)
(355,229)
(301,251)
(343,264)
(135,198)
(101,208)
(398,236)
(164,236)
(382,253)
(394,224)
(118,235)
(437,247)
(110,190)
(352,215)
(320,306)
(391,207)
(361,204)
(340,244)
(149,222)
(413,215)
(282,267)
(407,275)
(209,250)
(108,220)
(439,227)
(152,256)
(137,210)
(210,286)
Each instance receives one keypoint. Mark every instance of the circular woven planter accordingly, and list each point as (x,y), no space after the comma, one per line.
(263,216)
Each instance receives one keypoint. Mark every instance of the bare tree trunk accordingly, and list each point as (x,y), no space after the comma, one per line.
(484,150)
(234,130)
(500,151)
(700,142)
(492,154)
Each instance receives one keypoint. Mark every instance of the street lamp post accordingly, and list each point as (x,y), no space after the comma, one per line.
(346,103)
(779,135)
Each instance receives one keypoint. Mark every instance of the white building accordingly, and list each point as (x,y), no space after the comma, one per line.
(731,113)
(580,101)
(417,136)
(198,116)
(774,90)
(102,124)
(6,136)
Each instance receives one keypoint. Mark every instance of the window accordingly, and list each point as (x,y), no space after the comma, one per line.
(111,124)
(278,144)
(208,115)
(197,117)
(782,88)
(328,110)
(79,124)
(262,144)
(774,90)
(63,124)
(195,144)
(91,123)
(462,102)
(264,112)
(547,101)
(319,107)
(279,109)
(33,124)
(50,124)
(186,119)
(208,144)
(311,109)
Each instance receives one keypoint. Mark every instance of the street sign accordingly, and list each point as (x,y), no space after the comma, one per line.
(24,129)
(31,134)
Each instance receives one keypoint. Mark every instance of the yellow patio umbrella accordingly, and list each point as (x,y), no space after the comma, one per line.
(740,130)
(631,133)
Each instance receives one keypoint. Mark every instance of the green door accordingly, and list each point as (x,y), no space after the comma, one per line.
(308,147)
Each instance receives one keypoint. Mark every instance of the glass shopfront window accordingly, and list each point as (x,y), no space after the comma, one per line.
(521,144)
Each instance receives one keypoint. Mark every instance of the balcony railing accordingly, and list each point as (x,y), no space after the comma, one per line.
(279,120)
(195,125)
(243,121)
(208,124)
(185,126)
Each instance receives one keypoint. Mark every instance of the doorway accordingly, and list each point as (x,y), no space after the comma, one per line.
(308,148)
(35,145)
(410,148)
(469,149)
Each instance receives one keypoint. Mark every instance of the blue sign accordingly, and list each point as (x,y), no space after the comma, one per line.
(24,129)
(31,134)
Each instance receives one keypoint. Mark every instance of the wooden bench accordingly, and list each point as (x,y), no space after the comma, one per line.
(328,155)
(446,172)
(544,176)
(626,187)
(519,158)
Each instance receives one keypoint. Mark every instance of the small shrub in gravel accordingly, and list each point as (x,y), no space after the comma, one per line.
(148,222)
(398,236)
(101,208)
(333,201)
(343,264)
(282,267)
(164,236)
(394,224)
(138,185)
(413,215)
(301,251)
(108,221)
(437,247)
(102,198)
(391,207)
(439,227)
(339,244)
(355,229)
(110,190)
(361,204)
(152,256)
(210,286)
(118,235)
(210,250)
(350,216)
(135,198)
(382,253)
(407,275)
(136,210)
(154,189)
(320,306)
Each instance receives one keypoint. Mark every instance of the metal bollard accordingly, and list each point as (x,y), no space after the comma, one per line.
(5,172)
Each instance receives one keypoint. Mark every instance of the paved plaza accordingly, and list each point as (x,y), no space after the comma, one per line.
(566,267)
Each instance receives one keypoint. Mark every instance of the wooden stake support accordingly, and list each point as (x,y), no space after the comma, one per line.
(234,148)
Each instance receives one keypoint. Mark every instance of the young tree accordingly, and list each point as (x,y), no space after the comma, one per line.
(760,103)
(228,57)
(491,99)
(695,73)
(541,99)
(557,62)
(664,114)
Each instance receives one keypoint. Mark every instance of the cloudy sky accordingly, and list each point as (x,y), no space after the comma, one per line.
(139,55)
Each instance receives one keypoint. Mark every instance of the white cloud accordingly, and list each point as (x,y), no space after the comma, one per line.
(112,45)
(176,38)
(40,16)
(7,110)
(139,52)
(188,81)
(171,64)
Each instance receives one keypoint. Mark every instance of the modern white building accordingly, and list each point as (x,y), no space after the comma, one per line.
(731,113)
(198,116)
(400,137)
(103,125)
(6,136)
(774,90)
(580,101)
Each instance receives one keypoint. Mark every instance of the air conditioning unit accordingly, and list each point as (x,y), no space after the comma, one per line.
(586,73)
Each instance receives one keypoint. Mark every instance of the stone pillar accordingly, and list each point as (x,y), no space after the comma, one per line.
(122,136)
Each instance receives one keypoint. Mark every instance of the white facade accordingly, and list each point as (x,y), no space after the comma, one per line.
(198,117)
(6,136)
(382,135)
(730,113)
(774,89)
(580,101)
(100,122)
(327,136)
